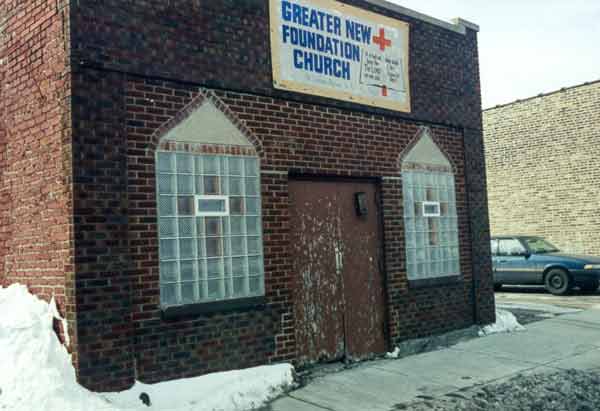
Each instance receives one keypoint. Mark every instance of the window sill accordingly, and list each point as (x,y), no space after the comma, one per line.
(242,304)
(435,282)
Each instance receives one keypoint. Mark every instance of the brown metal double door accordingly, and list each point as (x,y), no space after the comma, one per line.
(336,247)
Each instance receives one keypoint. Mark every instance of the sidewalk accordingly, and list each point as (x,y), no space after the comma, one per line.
(565,342)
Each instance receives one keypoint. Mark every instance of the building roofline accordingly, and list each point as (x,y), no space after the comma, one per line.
(522,100)
(457,25)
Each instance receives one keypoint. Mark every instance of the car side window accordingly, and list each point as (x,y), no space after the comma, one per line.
(494,245)
(510,247)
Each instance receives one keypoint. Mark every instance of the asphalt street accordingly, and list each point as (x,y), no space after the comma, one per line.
(538,295)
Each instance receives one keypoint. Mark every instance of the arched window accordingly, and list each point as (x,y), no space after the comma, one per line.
(209,212)
(430,218)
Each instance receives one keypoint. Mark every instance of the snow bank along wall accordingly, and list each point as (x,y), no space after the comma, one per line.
(174,104)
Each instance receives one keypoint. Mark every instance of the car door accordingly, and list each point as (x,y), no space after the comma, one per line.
(537,262)
(513,264)
(494,248)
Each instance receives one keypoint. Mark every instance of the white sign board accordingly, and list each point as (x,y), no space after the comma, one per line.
(330,49)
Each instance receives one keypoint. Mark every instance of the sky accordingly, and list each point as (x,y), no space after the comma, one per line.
(527,47)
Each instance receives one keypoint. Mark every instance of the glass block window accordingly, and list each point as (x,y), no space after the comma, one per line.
(210,229)
(431,224)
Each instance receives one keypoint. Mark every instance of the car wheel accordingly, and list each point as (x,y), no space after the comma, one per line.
(497,287)
(590,286)
(558,282)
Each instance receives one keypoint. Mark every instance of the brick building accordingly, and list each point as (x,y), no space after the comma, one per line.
(192,214)
(542,167)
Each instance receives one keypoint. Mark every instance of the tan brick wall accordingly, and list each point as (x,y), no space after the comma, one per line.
(543,167)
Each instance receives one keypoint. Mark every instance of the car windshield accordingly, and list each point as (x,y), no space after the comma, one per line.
(539,245)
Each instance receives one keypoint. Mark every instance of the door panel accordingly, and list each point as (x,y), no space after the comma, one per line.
(339,301)
(513,266)
(513,269)
(319,299)
(363,281)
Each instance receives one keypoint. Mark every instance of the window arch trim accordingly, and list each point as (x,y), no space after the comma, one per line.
(204,96)
(405,162)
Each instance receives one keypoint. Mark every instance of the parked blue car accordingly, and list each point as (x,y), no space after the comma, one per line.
(529,260)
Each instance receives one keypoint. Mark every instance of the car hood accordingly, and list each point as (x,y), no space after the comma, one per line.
(574,257)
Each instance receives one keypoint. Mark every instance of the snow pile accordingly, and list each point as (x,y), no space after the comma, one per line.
(394,354)
(36,372)
(227,391)
(505,322)
(36,369)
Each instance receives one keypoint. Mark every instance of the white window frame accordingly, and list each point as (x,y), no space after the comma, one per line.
(435,204)
(224,213)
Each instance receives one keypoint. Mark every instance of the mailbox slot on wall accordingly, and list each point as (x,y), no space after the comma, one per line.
(360,201)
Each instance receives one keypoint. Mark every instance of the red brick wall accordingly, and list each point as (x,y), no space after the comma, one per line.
(35,152)
(104,293)
(120,306)
(77,206)
(135,66)
(193,41)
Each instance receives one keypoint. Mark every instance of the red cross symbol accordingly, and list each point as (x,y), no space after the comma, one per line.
(381,40)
